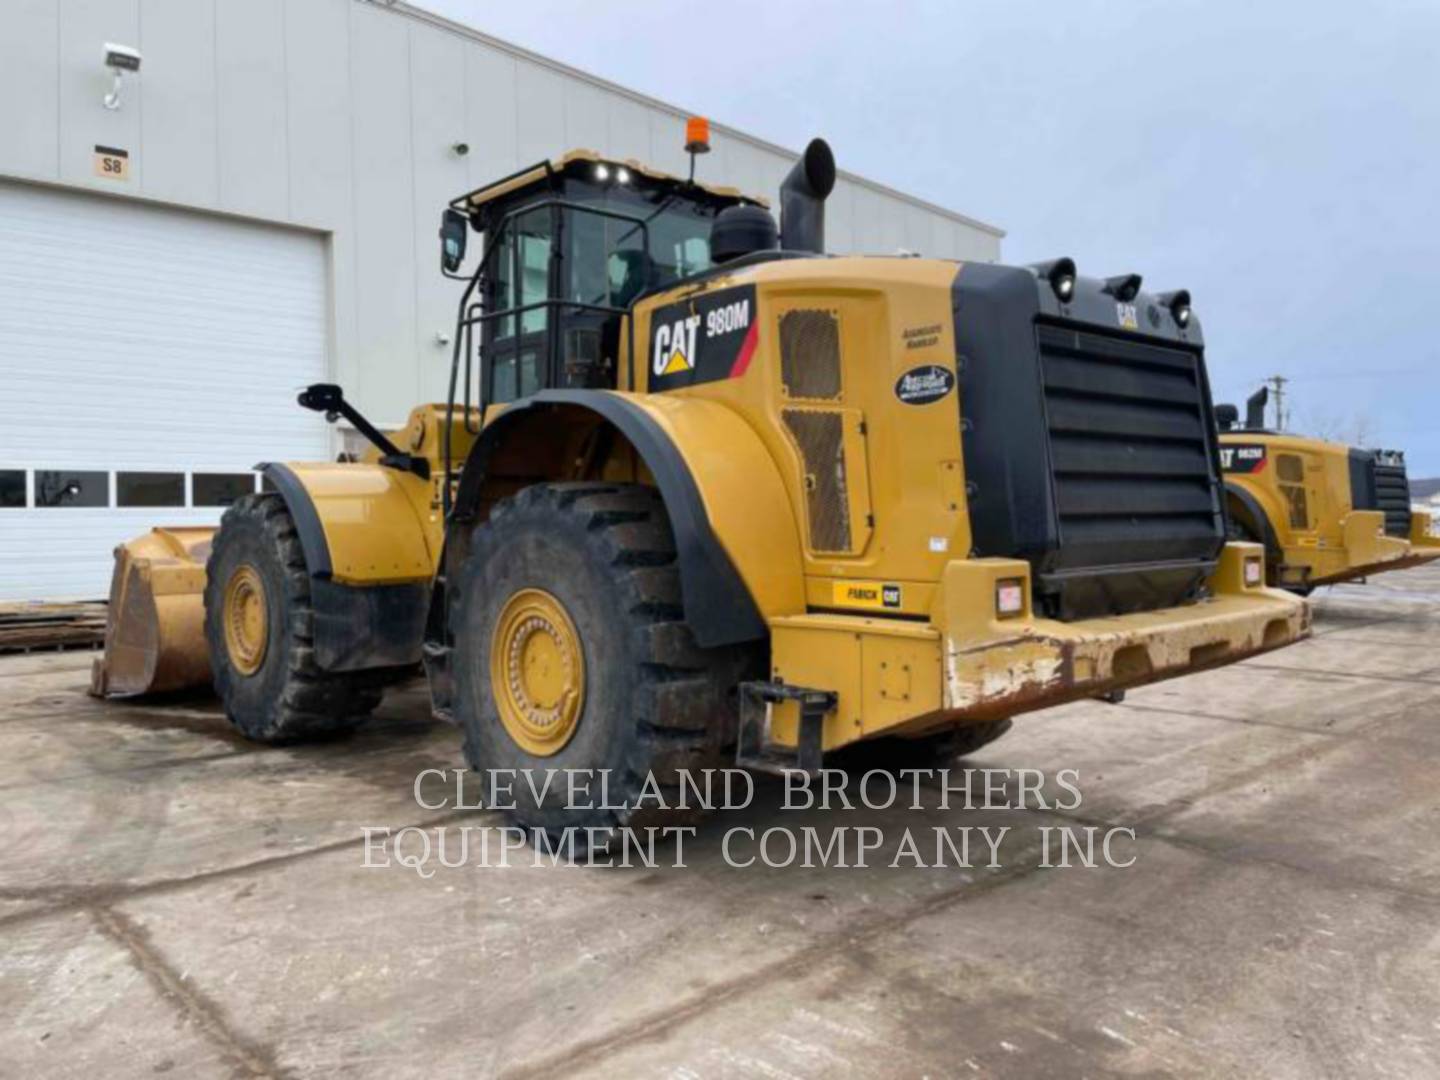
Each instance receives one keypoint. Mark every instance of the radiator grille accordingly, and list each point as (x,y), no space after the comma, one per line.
(1378,482)
(821,439)
(810,354)
(1134,472)
(1392,495)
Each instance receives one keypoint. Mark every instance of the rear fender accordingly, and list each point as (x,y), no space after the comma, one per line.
(1246,507)
(736,538)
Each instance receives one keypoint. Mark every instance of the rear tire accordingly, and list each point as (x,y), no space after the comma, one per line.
(582,578)
(259,624)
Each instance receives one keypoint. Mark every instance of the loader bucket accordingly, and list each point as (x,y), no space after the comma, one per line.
(155,623)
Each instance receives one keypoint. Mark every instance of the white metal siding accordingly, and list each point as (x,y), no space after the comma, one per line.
(138,337)
(340,116)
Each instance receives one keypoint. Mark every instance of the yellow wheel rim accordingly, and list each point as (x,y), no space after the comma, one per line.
(247,622)
(537,672)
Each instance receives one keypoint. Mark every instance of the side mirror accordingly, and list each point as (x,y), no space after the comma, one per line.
(454,229)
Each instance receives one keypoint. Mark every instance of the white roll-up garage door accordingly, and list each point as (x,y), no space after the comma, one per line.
(149,357)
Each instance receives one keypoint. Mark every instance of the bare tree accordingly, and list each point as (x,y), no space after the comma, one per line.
(1362,430)
(1356,429)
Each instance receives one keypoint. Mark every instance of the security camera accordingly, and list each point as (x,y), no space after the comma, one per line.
(460,149)
(121,57)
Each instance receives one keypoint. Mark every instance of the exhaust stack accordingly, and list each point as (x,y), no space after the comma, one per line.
(802,199)
(1255,408)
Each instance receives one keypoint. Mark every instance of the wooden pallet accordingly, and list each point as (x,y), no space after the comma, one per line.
(27,627)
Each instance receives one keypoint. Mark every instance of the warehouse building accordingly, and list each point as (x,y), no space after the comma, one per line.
(208,204)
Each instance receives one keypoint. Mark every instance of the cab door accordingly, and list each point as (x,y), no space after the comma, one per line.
(515,344)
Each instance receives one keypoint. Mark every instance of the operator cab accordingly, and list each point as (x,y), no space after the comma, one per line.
(569,246)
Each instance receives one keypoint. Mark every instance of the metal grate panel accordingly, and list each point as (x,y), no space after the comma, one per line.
(810,354)
(1392,495)
(1378,482)
(1290,470)
(1133,469)
(821,439)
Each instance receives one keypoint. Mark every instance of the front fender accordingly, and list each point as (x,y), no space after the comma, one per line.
(736,537)
(370,551)
(359,523)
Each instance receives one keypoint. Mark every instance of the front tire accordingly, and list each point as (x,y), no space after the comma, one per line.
(573,660)
(259,624)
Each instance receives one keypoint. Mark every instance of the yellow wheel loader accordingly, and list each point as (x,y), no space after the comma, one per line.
(1325,512)
(704,494)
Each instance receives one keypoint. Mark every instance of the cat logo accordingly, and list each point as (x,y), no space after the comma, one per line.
(703,338)
(1242,459)
(675,346)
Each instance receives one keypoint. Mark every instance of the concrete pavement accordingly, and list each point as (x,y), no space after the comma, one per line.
(173,899)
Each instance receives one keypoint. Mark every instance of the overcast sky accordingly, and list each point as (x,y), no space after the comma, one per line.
(1279,159)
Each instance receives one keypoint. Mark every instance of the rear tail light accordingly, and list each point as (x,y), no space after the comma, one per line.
(1254,571)
(1010,597)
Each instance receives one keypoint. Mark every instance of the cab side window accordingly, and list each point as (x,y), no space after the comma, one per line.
(521,277)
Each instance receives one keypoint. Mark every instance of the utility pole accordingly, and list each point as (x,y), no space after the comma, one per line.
(1277,387)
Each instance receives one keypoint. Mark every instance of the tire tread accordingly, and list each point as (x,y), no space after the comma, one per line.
(678,711)
(311,702)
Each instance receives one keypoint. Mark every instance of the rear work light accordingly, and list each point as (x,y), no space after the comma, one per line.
(1061,275)
(1179,304)
(1009,597)
(1254,571)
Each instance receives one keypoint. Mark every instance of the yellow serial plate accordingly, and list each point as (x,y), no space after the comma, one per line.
(874,595)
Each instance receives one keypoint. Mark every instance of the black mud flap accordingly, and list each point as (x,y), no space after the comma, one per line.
(436,650)
(377,626)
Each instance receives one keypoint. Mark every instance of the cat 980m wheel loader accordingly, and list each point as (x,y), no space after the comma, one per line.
(1325,512)
(703,493)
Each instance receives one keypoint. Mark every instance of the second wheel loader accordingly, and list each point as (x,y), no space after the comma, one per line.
(1325,512)
(702,493)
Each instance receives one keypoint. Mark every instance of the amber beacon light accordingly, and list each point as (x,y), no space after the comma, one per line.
(697,135)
